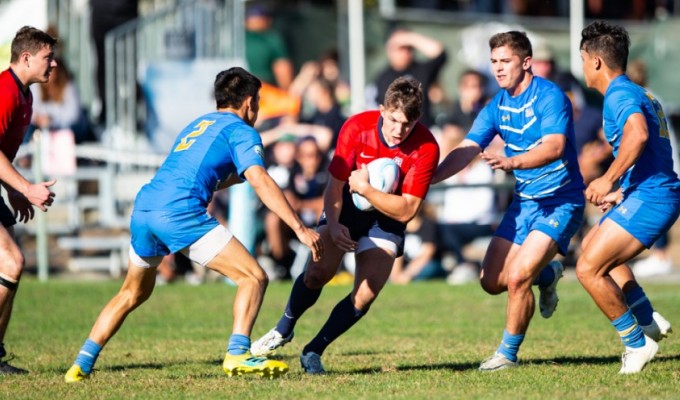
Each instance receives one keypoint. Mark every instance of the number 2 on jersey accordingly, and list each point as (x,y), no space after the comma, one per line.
(188,140)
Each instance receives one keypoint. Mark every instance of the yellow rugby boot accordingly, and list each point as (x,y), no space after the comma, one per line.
(75,374)
(248,364)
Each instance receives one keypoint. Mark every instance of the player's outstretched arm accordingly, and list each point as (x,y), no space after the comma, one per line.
(456,160)
(548,151)
(272,197)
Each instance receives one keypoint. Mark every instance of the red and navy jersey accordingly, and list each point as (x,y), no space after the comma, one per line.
(361,142)
(16,107)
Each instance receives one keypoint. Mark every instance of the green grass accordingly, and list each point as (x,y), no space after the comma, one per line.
(420,341)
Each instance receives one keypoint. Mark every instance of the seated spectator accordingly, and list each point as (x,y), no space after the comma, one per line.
(458,121)
(304,190)
(56,105)
(401,48)
(421,256)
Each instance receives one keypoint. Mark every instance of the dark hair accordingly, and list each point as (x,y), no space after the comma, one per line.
(472,72)
(233,86)
(611,42)
(31,40)
(405,94)
(516,40)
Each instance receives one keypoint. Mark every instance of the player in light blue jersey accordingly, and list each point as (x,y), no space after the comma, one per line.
(534,119)
(643,207)
(214,151)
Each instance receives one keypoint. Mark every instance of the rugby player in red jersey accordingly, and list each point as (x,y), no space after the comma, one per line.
(376,237)
(31,61)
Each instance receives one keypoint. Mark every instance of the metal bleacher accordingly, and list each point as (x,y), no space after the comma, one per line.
(90,216)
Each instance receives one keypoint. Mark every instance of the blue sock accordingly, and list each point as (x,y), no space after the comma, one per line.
(301,298)
(343,317)
(3,353)
(510,345)
(546,277)
(630,332)
(640,305)
(88,356)
(238,344)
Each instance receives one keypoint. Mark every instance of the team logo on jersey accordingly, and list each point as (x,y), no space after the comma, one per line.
(623,210)
(259,151)
(398,161)
(529,112)
(553,223)
(505,118)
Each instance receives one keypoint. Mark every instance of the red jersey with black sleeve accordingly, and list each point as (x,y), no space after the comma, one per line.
(16,107)
(361,141)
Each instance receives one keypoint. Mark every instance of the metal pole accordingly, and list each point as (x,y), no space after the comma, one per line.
(356,55)
(576,17)
(40,219)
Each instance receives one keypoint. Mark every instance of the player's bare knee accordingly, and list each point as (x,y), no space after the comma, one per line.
(491,286)
(12,267)
(316,277)
(519,281)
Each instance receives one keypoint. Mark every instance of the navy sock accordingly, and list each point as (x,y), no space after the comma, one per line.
(238,344)
(3,353)
(301,298)
(546,277)
(510,345)
(88,356)
(640,305)
(630,332)
(343,317)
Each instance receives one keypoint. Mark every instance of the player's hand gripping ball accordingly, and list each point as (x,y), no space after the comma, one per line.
(383,174)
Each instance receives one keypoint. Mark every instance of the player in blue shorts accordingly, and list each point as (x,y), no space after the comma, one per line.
(643,207)
(534,119)
(213,152)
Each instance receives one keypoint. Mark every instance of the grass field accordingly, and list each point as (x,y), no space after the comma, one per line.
(420,341)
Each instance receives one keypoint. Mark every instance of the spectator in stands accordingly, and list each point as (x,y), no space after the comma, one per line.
(56,105)
(107,15)
(307,179)
(659,261)
(466,213)
(400,48)
(421,256)
(266,51)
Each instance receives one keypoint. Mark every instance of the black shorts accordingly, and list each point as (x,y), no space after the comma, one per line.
(6,215)
(371,224)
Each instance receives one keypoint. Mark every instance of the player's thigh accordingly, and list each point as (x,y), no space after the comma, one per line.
(373,267)
(322,271)
(220,251)
(610,245)
(498,255)
(532,256)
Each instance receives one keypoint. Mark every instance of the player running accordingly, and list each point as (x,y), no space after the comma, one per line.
(534,118)
(377,236)
(215,151)
(645,205)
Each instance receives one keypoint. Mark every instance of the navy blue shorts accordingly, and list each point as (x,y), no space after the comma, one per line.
(369,224)
(7,218)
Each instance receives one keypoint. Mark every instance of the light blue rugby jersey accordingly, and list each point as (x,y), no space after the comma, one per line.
(652,174)
(205,153)
(522,121)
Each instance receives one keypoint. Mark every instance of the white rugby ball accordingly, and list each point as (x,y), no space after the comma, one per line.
(383,174)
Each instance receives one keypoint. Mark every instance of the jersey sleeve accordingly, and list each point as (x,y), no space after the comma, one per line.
(555,112)
(484,128)
(344,158)
(246,149)
(419,176)
(622,104)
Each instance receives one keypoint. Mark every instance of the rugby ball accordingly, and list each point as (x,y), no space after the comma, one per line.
(383,174)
